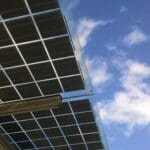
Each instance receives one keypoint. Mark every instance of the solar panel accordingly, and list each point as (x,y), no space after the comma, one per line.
(70,126)
(36,51)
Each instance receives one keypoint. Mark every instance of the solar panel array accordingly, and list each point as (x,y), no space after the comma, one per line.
(37,60)
(70,126)
(36,52)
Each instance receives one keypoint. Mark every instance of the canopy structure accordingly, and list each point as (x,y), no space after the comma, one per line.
(69,126)
(38,66)
(36,52)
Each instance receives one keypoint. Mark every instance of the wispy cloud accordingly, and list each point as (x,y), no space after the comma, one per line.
(73,4)
(123,9)
(135,37)
(130,106)
(86,27)
(111,47)
(98,71)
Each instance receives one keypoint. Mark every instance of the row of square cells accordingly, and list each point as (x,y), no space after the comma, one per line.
(82,112)
(55,136)
(46,120)
(72,138)
(39,71)
(41,144)
(48,88)
(35,52)
(64,121)
(18,7)
(23,30)
(75,139)
(80,106)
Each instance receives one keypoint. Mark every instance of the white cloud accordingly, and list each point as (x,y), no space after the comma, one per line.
(86,27)
(111,47)
(130,106)
(123,9)
(98,72)
(73,4)
(135,37)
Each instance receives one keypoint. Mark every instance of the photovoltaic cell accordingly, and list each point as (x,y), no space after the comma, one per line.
(66,127)
(3,80)
(28,90)
(4,38)
(38,5)
(22,30)
(33,49)
(15,8)
(36,52)
(19,75)
(60,47)
(8,94)
(51,24)
(10,57)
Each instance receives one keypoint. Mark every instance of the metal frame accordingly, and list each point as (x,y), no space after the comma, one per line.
(100,128)
(76,44)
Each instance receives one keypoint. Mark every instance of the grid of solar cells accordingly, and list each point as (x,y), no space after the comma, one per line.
(70,127)
(36,52)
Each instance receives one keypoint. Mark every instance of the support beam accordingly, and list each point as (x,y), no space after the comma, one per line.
(29,105)
(4,145)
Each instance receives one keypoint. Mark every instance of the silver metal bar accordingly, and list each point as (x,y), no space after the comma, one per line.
(53,137)
(29,64)
(62,58)
(34,41)
(29,15)
(26,83)
(40,62)
(38,81)
(32,140)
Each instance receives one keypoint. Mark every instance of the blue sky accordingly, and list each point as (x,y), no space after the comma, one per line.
(115,39)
